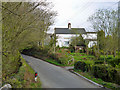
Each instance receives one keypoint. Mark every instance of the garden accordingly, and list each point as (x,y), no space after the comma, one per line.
(106,74)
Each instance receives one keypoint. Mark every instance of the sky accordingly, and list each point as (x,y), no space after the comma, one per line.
(77,12)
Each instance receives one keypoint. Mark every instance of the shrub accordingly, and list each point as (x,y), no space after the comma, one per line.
(71,48)
(101,52)
(118,66)
(10,63)
(113,62)
(99,62)
(64,57)
(100,71)
(84,65)
(106,73)
(80,65)
(90,51)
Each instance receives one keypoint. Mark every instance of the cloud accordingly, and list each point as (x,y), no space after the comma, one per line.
(78,11)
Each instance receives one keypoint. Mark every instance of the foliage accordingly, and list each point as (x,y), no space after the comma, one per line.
(84,65)
(24,78)
(72,49)
(88,75)
(105,22)
(95,52)
(24,24)
(80,65)
(106,73)
(78,41)
(101,39)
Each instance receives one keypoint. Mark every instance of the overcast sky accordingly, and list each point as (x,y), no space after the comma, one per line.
(77,12)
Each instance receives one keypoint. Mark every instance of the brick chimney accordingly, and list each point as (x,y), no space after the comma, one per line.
(69,25)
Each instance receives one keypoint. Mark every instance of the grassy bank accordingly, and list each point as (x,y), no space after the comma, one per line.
(24,78)
(45,58)
(59,59)
(110,85)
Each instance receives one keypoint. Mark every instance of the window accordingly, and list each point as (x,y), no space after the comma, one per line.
(66,42)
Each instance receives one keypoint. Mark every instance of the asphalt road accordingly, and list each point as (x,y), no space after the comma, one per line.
(53,76)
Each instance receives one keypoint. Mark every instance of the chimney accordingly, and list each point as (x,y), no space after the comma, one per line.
(69,25)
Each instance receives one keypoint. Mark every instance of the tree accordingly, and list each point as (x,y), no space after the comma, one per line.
(24,24)
(100,39)
(77,41)
(107,21)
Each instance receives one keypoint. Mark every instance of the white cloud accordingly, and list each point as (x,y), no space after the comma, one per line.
(78,11)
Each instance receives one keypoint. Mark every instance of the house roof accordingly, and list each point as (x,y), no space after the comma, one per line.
(92,32)
(70,31)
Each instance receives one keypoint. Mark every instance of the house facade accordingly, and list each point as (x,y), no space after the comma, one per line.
(64,36)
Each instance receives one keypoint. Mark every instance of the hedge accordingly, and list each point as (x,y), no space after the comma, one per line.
(106,73)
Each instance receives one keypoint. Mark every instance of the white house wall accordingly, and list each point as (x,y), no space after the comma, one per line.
(89,36)
(91,43)
(62,38)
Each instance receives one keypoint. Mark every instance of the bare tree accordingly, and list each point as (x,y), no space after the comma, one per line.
(106,20)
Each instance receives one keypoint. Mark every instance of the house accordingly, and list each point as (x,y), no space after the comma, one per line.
(64,35)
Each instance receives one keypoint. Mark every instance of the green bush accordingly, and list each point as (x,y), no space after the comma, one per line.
(80,65)
(99,62)
(106,73)
(84,65)
(113,62)
(101,52)
(10,63)
(64,58)
(71,48)
(118,66)
(100,71)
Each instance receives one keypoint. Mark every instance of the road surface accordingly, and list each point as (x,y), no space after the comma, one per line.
(53,76)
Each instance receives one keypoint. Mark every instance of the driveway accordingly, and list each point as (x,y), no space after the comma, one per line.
(53,76)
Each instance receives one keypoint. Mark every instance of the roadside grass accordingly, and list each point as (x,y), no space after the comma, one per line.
(45,58)
(29,77)
(52,61)
(110,85)
(50,58)
(24,78)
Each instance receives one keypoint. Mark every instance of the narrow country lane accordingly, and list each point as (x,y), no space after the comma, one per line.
(53,76)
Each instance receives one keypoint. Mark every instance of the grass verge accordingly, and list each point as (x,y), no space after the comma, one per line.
(24,78)
(110,85)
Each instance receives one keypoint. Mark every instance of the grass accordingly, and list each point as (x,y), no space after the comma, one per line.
(84,57)
(24,78)
(110,85)
(91,60)
(29,77)
(59,61)
(52,61)
(81,56)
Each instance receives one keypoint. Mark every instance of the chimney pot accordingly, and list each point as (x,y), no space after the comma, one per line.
(69,25)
